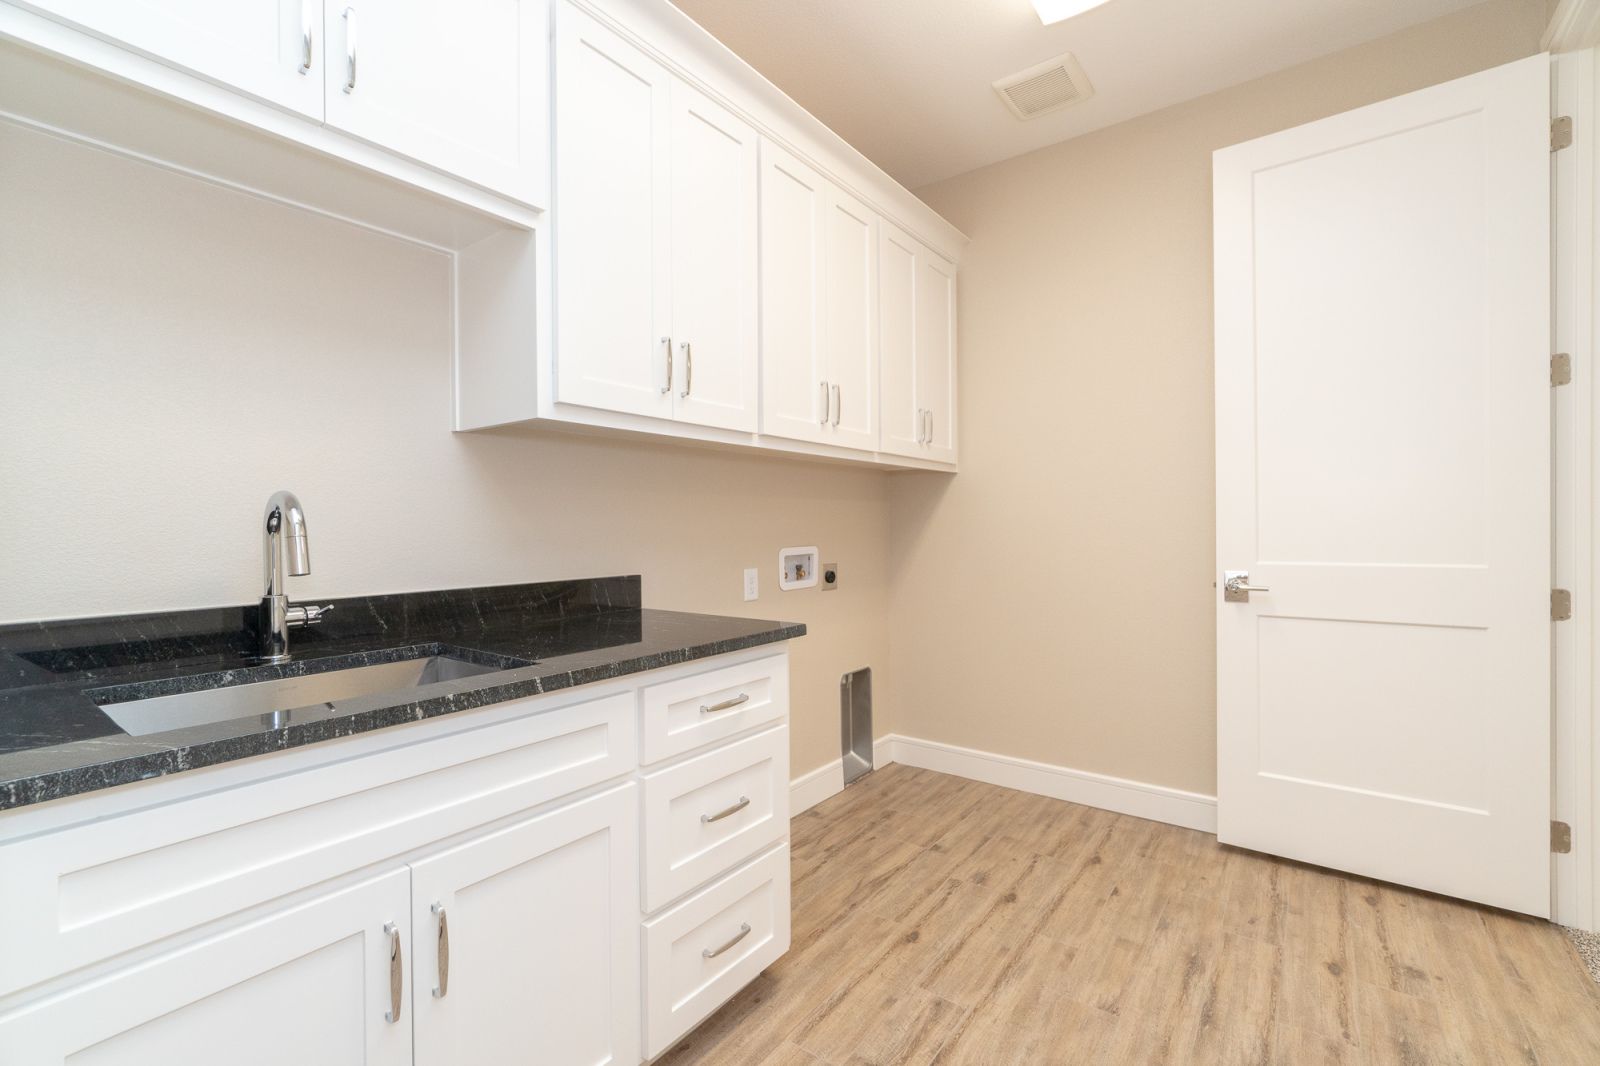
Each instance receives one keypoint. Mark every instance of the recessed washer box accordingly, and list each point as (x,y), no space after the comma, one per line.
(797,568)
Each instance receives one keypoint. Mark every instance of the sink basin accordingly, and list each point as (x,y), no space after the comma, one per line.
(280,697)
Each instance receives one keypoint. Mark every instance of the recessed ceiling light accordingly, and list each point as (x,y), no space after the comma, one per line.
(1058,10)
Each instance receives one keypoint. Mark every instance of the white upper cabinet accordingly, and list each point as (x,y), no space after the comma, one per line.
(849,337)
(614,269)
(936,355)
(901,411)
(655,238)
(527,941)
(461,87)
(714,178)
(795,399)
(272,50)
(916,332)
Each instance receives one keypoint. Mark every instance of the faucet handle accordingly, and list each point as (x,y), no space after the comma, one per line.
(303,615)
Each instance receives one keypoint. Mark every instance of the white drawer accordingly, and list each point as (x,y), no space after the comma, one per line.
(690,712)
(94,890)
(712,812)
(705,949)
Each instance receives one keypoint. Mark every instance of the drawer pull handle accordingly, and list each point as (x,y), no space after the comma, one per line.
(443,988)
(725,705)
(744,801)
(396,973)
(744,931)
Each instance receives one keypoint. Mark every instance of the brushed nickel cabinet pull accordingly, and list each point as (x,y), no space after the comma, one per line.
(688,368)
(725,705)
(305,36)
(744,931)
(668,386)
(443,988)
(350,48)
(929,415)
(836,405)
(396,972)
(744,801)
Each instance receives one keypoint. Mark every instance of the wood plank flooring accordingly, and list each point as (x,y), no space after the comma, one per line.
(940,920)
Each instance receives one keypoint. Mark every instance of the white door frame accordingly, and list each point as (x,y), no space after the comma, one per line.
(1575,464)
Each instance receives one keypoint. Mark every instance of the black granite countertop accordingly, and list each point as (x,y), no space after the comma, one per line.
(55,740)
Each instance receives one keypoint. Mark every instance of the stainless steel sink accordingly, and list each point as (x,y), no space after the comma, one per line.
(281,697)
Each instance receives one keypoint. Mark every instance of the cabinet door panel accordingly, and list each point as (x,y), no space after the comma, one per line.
(936,354)
(543,941)
(850,277)
(308,985)
(899,407)
(254,46)
(793,202)
(714,176)
(612,277)
(461,87)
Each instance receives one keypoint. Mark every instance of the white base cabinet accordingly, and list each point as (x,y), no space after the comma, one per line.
(463,890)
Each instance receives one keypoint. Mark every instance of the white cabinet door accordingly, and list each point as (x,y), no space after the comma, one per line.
(270,49)
(936,355)
(850,300)
(900,410)
(1383,479)
(613,265)
(714,175)
(528,941)
(460,87)
(309,985)
(793,377)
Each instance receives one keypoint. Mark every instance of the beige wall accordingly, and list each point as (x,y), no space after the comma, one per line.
(1054,601)
(171,353)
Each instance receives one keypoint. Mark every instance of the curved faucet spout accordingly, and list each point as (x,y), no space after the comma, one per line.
(287,549)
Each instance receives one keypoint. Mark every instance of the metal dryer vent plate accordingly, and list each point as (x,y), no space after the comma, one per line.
(1050,86)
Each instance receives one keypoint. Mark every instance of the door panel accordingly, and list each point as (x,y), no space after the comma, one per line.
(714,217)
(613,269)
(257,47)
(462,87)
(850,279)
(792,368)
(1382,283)
(899,406)
(542,922)
(936,354)
(308,985)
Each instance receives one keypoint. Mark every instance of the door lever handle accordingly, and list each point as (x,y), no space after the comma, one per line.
(1236,587)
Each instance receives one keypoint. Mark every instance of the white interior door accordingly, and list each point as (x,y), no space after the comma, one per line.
(613,265)
(1383,436)
(462,87)
(714,176)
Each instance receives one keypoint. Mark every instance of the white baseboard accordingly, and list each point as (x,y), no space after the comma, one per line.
(1158,803)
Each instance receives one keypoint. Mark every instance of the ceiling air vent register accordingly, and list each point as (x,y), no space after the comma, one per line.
(1050,86)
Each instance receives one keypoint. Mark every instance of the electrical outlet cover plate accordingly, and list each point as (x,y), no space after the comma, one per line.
(830,576)
(797,568)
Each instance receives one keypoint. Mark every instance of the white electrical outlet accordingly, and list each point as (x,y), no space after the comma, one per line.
(752,584)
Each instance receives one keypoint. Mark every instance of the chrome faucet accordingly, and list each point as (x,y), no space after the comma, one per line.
(283,534)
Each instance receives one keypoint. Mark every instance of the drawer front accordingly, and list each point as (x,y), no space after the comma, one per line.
(92,891)
(711,813)
(699,953)
(691,712)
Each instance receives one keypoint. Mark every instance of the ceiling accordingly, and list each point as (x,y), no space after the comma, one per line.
(907,82)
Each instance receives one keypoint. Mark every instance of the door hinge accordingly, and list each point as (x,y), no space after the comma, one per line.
(1560,838)
(1560,605)
(1560,133)
(1561,369)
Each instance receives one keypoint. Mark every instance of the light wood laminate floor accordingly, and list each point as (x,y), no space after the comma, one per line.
(940,920)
